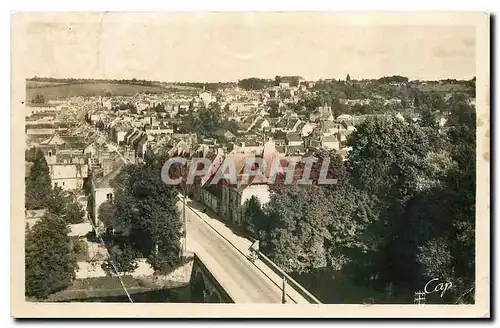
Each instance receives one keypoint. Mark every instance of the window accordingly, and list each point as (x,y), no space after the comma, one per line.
(55,184)
(63,183)
(50,153)
(109,196)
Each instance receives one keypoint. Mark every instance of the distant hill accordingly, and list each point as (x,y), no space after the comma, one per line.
(52,90)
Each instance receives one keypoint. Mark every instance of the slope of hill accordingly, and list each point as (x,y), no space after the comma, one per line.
(59,91)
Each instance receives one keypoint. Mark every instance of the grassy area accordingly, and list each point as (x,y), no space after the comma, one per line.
(53,90)
(41,84)
(109,289)
(108,283)
(171,295)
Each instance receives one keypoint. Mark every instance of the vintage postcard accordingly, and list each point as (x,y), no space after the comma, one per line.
(273,164)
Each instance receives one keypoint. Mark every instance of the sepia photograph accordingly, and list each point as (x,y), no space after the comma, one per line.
(313,164)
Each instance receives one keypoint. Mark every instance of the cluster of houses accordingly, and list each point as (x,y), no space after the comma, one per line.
(85,158)
(322,130)
(227,197)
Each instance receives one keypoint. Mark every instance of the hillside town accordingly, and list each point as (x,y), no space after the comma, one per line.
(87,141)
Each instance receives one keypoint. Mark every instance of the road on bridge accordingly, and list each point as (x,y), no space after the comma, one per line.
(242,280)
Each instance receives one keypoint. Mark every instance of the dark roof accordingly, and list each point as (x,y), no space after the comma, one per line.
(295,149)
(105,181)
(293,137)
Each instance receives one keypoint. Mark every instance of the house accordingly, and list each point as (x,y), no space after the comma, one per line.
(344,117)
(234,196)
(225,133)
(227,198)
(37,132)
(294,139)
(284,85)
(289,123)
(140,145)
(241,107)
(67,161)
(118,132)
(101,189)
(330,142)
(321,113)
(159,130)
(279,142)
(329,128)
(206,97)
(69,170)
(181,148)
(259,124)
(295,150)
(325,142)
(307,129)
(202,190)
(238,195)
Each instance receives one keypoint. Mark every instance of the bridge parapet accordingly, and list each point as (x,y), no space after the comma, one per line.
(205,288)
(289,280)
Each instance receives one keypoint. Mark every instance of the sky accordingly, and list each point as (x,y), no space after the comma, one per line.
(228,47)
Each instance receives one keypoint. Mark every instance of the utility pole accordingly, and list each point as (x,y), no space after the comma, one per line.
(184,189)
(184,215)
(283,294)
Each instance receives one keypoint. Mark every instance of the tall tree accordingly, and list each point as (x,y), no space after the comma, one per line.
(63,204)
(298,221)
(386,155)
(107,214)
(274,109)
(454,239)
(38,184)
(336,107)
(277,80)
(386,161)
(147,207)
(49,261)
(256,221)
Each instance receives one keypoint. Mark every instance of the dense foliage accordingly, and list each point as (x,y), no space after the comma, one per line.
(402,212)
(254,83)
(49,259)
(209,121)
(50,254)
(63,204)
(145,210)
(38,185)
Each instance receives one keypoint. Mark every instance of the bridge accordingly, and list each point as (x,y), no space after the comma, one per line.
(221,271)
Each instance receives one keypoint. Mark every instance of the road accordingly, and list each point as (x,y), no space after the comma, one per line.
(244,281)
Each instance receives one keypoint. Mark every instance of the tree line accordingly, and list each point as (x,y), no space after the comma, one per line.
(402,212)
(83,80)
(209,120)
